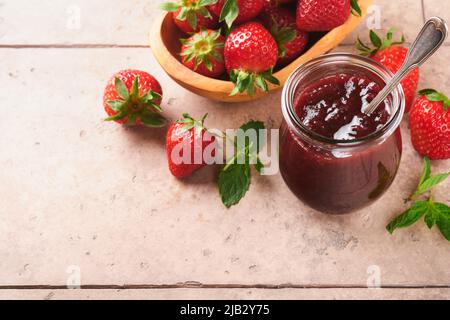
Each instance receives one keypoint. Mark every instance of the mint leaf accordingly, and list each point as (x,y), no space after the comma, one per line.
(256,126)
(432,215)
(234,182)
(443,221)
(431,182)
(426,170)
(259,166)
(409,217)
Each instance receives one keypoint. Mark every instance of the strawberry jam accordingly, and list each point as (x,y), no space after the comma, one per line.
(333,107)
(334,157)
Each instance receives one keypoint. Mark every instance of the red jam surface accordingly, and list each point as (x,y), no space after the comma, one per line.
(333,107)
(339,180)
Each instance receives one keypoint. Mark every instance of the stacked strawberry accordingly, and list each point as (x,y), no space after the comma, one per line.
(429,118)
(392,55)
(256,37)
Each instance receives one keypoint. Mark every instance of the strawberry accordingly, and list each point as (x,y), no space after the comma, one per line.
(237,11)
(324,15)
(203,53)
(133,97)
(191,15)
(291,40)
(251,53)
(189,135)
(430,125)
(392,55)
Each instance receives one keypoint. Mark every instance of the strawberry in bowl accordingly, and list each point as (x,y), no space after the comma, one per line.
(203,53)
(237,11)
(324,15)
(251,53)
(191,15)
(133,97)
(290,39)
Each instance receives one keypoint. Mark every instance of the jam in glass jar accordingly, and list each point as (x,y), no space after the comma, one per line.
(333,156)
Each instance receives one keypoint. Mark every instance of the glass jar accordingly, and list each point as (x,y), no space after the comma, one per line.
(339,176)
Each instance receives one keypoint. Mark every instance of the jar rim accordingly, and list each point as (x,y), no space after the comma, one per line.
(376,68)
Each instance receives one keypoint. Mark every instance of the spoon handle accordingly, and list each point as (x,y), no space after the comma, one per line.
(430,38)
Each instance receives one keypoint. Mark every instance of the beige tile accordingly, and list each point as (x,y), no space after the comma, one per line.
(230,294)
(128,22)
(404,15)
(77,21)
(437,8)
(77,191)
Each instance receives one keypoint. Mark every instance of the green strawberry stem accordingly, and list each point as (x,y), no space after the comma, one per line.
(356,10)
(436,96)
(132,106)
(247,82)
(190,123)
(282,36)
(189,10)
(202,47)
(378,43)
(229,13)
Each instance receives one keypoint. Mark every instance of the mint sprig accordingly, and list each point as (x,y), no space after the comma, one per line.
(235,178)
(434,213)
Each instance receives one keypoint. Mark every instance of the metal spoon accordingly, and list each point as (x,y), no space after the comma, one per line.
(428,41)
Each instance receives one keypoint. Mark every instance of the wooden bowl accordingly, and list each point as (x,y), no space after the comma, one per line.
(165,44)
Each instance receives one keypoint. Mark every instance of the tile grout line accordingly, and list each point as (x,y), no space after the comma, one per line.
(218,286)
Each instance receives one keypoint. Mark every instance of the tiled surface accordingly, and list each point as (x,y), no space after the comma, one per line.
(406,16)
(81,21)
(226,294)
(437,8)
(77,191)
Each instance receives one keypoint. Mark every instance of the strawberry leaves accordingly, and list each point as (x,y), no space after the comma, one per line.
(203,47)
(190,123)
(282,36)
(378,43)
(356,10)
(247,82)
(436,96)
(132,106)
(235,177)
(189,10)
(229,13)
(434,213)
